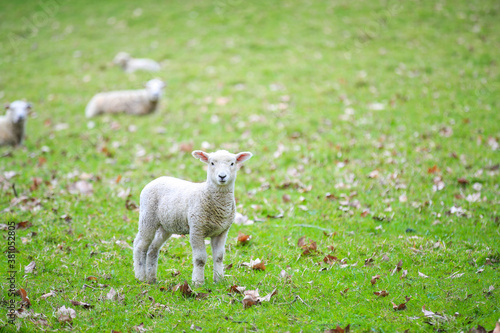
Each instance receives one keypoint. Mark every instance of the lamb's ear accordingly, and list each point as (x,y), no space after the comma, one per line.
(7,105)
(201,155)
(242,157)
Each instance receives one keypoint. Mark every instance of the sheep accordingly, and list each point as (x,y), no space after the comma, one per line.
(131,65)
(137,102)
(173,206)
(13,124)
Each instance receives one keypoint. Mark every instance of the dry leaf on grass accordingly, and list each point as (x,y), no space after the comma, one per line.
(381,293)
(398,267)
(252,297)
(256,264)
(401,306)
(65,314)
(374,279)
(329,259)
(422,275)
(242,238)
(24,296)
(339,329)
(184,289)
(139,328)
(236,289)
(82,304)
(431,314)
(308,247)
(24,225)
(51,294)
(30,267)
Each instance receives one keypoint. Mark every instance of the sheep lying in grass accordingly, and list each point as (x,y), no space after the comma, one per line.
(12,125)
(137,102)
(131,65)
(174,206)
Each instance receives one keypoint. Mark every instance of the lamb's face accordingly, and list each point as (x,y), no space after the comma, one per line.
(222,165)
(121,59)
(18,110)
(155,88)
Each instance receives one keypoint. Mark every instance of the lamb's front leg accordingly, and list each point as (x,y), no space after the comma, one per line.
(218,248)
(199,257)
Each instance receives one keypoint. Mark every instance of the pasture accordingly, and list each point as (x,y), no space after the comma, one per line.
(375,132)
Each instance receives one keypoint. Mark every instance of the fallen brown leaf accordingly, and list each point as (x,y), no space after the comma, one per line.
(82,304)
(374,279)
(236,289)
(339,329)
(242,238)
(185,289)
(433,169)
(24,225)
(344,292)
(24,296)
(381,293)
(329,259)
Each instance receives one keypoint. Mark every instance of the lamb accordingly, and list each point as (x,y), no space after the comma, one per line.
(13,124)
(137,102)
(131,65)
(173,206)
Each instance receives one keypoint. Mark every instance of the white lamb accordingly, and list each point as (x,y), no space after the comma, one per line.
(131,65)
(174,206)
(137,102)
(13,124)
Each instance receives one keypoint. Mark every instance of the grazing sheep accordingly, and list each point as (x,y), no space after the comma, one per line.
(131,65)
(138,102)
(12,125)
(174,206)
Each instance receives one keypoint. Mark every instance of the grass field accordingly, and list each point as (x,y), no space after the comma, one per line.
(375,132)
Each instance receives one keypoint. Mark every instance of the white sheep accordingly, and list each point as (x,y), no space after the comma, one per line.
(13,124)
(131,65)
(174,206)
(137,102)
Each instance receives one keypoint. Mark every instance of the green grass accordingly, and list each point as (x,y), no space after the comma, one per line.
(433,66)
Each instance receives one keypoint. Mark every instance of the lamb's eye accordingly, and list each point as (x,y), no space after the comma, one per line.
(232,164)
(213,163)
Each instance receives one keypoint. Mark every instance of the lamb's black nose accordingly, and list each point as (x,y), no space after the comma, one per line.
(222,177)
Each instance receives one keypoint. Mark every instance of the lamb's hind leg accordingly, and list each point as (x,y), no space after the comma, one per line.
(142,242)
(154,249)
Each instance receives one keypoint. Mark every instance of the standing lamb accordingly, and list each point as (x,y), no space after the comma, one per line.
(137,102)
(131,65)
(12,125)
(174,206)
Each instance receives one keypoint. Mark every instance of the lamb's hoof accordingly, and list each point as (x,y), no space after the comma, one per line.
(198,283)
